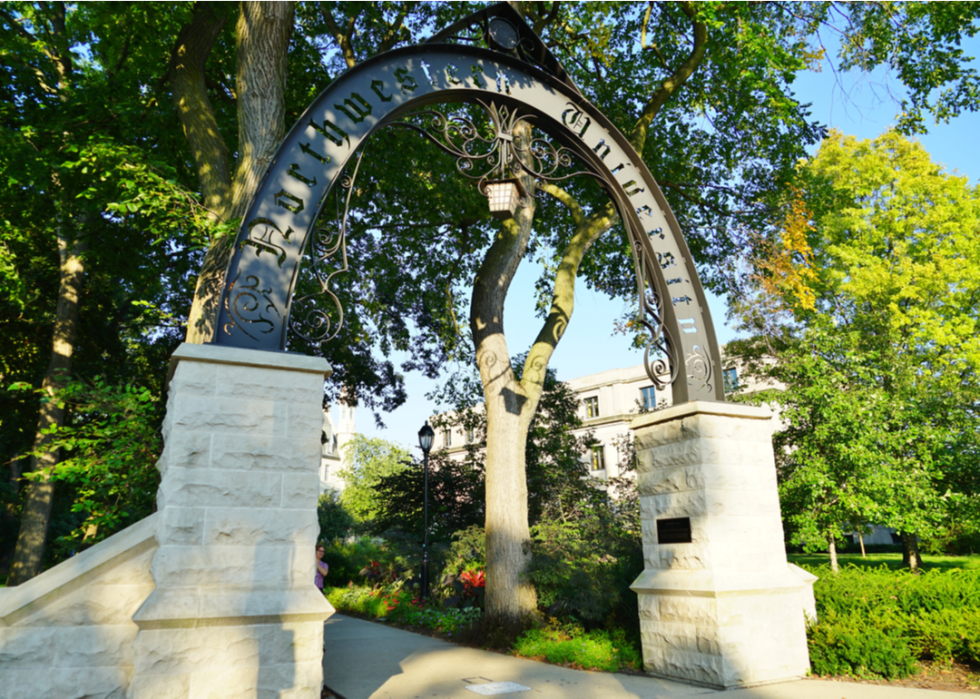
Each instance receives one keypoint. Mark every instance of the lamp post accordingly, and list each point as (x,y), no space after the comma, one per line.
(425,441)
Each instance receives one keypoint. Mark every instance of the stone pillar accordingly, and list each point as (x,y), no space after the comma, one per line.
(720,607)
(234,612)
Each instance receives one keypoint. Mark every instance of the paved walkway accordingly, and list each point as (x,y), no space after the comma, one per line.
(364,660)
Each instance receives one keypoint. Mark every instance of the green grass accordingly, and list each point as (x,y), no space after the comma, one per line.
(607,651)
(892,560)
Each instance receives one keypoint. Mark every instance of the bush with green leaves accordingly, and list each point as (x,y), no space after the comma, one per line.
(108,468)
(336,523)
(583,569)
(401,606)
(876,621)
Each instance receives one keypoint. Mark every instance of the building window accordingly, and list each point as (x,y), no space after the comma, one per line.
(447,436)
(592,407)
(470,435)
(598,458)
(649,395)
(730,379)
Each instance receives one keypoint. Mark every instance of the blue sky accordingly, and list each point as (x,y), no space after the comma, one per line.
(859,105)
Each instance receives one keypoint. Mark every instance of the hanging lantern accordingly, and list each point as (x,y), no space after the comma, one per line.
(504,197)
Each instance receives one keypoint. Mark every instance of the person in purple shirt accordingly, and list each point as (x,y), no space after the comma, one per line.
(321,568)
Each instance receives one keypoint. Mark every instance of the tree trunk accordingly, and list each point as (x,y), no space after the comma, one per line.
(832,547)
(29,552)
(510,405)
(861,541)
(911,558)
(262,38)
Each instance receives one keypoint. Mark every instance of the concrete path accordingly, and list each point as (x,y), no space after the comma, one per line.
(364,660)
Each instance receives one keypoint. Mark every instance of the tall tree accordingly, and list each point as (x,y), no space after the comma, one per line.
(78,199)
(876,275)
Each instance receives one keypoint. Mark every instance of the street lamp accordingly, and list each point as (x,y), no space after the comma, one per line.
(425,441)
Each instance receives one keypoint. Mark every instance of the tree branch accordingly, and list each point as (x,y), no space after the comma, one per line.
(643,36)
(190,95)
(669,86)
(342,38)
(391,36)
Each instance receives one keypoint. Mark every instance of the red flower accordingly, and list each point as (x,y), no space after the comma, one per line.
(473,580)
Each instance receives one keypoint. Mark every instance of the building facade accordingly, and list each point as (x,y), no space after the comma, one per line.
(610,400)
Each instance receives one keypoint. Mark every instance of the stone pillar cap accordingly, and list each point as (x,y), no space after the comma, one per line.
(702,407)
(216,354)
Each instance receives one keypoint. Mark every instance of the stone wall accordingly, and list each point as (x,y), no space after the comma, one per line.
(212,596)
(69,632)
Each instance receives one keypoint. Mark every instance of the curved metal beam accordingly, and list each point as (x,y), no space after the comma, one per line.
(262,273)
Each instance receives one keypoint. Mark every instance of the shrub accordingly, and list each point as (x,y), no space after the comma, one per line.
(360,600)
(876,622)
(348,559)
(849,646)
(335,521)
(583,570)
(400,606)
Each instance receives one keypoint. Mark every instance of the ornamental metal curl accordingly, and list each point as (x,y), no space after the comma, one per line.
(307,319)
(481,158)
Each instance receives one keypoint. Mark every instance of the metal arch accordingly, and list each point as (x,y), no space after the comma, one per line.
(262,272)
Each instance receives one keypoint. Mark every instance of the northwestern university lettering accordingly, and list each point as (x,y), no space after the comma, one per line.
(256,305)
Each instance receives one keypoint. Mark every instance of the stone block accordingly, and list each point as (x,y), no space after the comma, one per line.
(194,379)
(649,606)
(685,557)
(300,490)
(55,683)
(191,487)
(95,646)
(181,526)
(690,503)
(26,646)
(241,605)
(674,479)
(199,650)
(268,384)
(682,609)
(192,450)
(243,527)
(163,686)
(221,415)
(223,566)
(94,605)
(304,422)
(264,452)
(300,642)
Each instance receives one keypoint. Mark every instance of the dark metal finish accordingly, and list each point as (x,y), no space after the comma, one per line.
(262,273)
(425,441)
(674,531)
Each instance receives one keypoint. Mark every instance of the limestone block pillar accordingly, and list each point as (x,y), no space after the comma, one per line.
(234,611)
(719,605)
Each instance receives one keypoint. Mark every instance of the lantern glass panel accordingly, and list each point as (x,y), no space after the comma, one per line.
(503,198)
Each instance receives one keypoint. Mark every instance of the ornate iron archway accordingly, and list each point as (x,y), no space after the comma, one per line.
(516,72)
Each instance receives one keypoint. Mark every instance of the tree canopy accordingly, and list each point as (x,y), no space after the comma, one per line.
(868,315)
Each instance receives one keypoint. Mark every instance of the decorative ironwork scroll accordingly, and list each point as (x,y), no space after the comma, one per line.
(515,78)
(309,320)
(482,158)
